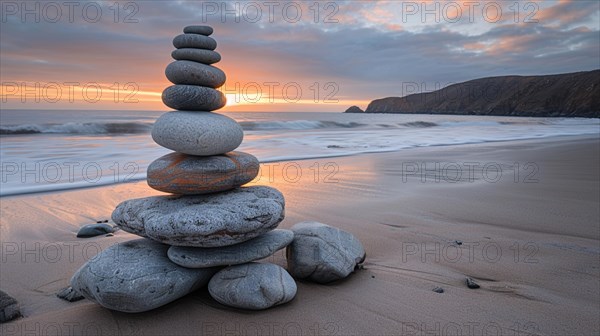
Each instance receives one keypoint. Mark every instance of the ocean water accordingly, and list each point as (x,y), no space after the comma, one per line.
(46,150)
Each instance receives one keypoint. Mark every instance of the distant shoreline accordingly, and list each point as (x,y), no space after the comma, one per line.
(571,95)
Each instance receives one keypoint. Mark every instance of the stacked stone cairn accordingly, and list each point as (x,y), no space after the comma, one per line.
(211,230)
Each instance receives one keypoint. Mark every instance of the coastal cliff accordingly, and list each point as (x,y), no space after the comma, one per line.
(565,95)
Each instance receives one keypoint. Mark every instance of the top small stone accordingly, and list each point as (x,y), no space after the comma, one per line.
(202,30)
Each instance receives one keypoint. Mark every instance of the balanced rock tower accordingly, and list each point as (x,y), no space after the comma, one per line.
(209,221)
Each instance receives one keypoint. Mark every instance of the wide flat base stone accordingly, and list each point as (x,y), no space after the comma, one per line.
(211,220)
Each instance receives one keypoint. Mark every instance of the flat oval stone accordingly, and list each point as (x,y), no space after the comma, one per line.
(193,98)
(136,276)
(252,286)
(196,55)
(193,175)
(212,220)
(194,73)
(254,249)
(202,30)
(194,41)
(322,253)
(197,133)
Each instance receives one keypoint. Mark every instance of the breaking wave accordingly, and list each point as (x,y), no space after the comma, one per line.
(77,128)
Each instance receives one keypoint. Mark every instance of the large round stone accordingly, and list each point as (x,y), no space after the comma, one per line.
(193,98)
(196,55)
(252,286)
(194,73)
(192,175)
(202,30)
(254,249)
(212,220)
(322,253)
(136,276)
(197,133)
(194,41)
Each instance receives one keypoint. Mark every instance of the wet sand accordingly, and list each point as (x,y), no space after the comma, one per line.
(520,218)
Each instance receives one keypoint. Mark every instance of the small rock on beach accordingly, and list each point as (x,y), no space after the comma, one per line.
(9,308)
(93,230)
(471,283)
(69,294)
(323,253)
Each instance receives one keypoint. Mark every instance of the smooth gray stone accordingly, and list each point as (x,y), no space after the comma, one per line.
(322,253)
(194,73)
(193,98)
(212,220)
(9,308)
(194,41)
(202,30)
(184,174)
(93,230)
(196,55)
(252,286)
(254,249)
(69,294)
(197,133)
(136,276)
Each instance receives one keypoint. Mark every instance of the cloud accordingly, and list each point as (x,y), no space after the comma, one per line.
(363,47)
(567,12)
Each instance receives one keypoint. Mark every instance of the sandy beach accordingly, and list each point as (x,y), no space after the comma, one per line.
(520,218)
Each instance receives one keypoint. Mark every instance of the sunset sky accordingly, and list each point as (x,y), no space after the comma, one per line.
(299,56)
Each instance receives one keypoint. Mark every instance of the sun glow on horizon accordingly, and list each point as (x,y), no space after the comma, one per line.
(230,99)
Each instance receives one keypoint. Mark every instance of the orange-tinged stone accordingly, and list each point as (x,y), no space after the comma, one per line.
(192,175)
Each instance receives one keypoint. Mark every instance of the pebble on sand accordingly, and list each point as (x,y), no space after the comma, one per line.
(69,294)
(471,283)
(9,308)
(93,230)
